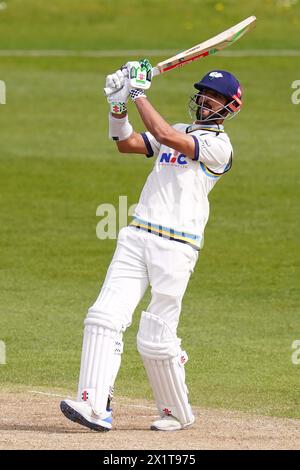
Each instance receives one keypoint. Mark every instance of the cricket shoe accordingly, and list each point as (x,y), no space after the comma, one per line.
(82,413)
(169,423)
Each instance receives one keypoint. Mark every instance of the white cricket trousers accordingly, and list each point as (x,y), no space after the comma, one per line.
(142,259)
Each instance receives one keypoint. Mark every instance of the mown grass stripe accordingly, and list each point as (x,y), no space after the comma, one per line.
(142,52)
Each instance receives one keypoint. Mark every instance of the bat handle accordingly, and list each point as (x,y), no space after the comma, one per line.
(155,71)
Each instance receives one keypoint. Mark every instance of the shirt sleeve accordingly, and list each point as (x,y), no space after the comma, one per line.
(214,152)
(153,146)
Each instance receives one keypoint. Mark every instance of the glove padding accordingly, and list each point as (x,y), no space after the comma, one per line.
(140,74)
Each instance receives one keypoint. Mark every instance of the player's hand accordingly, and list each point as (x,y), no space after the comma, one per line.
(140,76)
(118,81)
(121,95)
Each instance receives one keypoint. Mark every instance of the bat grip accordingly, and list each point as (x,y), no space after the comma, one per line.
(155,71)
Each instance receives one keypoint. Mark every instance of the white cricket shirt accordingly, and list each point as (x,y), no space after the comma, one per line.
(175,195)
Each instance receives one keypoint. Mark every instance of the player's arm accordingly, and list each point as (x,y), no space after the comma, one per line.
(214,153)
(132,144)
(163,132)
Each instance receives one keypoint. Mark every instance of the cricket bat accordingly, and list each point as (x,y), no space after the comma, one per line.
(204,49)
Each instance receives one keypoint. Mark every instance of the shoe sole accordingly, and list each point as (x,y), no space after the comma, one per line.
(76,417)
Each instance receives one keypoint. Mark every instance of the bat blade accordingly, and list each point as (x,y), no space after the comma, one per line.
(209,47)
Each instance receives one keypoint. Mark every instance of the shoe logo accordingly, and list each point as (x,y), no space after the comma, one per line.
(85,395)
(167,412)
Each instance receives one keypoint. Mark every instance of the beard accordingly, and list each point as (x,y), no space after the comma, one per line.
(202,109)
(204,113)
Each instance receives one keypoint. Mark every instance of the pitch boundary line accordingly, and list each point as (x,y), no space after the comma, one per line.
(142,52)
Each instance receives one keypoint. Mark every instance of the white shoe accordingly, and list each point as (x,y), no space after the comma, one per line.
(82,413)
(169,423)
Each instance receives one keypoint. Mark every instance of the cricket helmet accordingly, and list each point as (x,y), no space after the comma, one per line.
(226,84)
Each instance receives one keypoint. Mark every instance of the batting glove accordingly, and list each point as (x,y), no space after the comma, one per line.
(118,81)
(140,75)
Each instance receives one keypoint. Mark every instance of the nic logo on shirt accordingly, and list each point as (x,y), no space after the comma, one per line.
(173,158)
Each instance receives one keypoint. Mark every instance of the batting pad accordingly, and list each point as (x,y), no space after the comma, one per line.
(116,362)
(164,363)
(98,361)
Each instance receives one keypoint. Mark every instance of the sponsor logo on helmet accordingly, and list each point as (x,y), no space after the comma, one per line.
(175,158)
(213,75)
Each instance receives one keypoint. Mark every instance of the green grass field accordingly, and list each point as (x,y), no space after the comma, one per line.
(241,311)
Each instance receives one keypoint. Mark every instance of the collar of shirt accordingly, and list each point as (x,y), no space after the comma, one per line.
(205,127)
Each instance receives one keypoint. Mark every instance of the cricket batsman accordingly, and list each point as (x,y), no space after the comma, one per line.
(159,248)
